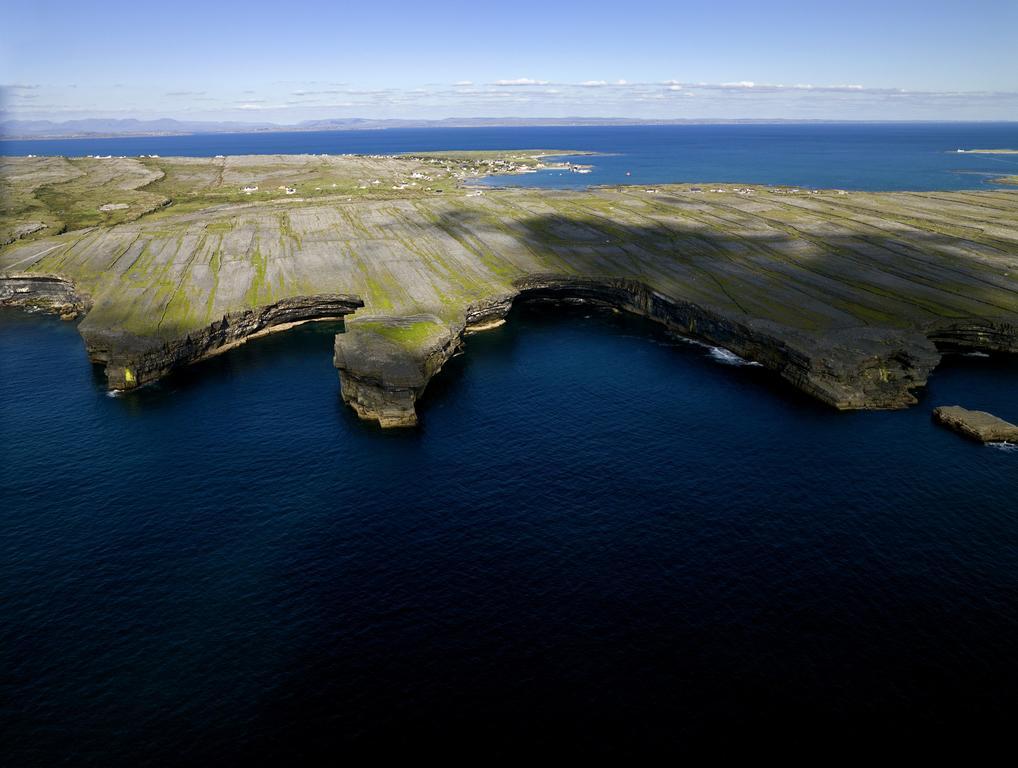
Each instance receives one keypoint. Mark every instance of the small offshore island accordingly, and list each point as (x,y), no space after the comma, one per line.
(852,297)
(1013,179)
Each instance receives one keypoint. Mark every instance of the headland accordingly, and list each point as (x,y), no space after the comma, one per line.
(852,297)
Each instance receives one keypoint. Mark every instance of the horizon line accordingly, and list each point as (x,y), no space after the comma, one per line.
(341,124)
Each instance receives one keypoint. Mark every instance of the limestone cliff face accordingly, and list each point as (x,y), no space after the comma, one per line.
(132,361)
(854,368)
(384,369)
(385,363)
(979,335)
(859,368)
(43,293)
(850,297)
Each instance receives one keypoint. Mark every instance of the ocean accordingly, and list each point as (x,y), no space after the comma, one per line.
(868,156)
(602,540)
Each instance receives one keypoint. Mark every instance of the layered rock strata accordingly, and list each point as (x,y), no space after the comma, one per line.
(867,368)
(43,293)
(132,361)
(850,297)
(976,425)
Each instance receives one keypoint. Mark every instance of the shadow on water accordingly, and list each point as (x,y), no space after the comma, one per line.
(293,344)
(232,575)
(530,315)
(973,379)
(314,340)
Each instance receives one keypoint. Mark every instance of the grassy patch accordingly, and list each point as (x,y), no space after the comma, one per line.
(412,334)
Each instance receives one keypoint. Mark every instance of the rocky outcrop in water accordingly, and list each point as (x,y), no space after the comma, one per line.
(976,425)
(384,364)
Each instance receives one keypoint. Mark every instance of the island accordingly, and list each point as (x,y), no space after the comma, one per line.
(988,151)
(852,297)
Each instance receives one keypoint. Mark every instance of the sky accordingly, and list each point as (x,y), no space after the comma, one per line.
(287,62)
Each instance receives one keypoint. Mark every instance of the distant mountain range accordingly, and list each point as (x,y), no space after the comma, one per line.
(37,129)
(99,127)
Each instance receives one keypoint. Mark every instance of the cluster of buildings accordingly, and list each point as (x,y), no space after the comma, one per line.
(248,189)
(797,191)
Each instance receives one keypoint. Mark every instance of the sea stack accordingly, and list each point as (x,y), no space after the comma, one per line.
(977,425)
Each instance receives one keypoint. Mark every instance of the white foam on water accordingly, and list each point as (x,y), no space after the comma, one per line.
(1004,446)
(975,354)
(727,357)
(720,354)
(114,393)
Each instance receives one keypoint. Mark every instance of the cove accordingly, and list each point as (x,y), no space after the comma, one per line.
(598,531)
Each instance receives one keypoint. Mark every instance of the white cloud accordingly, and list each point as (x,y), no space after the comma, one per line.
(521,81)
(537,98)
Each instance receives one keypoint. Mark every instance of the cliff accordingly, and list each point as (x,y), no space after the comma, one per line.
(850,297)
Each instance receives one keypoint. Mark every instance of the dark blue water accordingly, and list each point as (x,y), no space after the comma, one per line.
(875,156)
(600,541)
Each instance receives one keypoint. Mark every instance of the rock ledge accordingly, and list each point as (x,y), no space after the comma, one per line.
(976,425)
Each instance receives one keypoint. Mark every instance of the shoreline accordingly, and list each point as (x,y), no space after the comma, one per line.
(851,297)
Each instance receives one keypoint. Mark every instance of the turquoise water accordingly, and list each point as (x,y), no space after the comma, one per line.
(601,541)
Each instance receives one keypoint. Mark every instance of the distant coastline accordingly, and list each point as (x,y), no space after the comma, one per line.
(97,128)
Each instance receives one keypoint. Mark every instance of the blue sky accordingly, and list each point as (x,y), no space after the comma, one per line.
(285,62)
